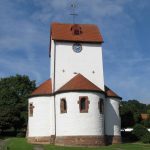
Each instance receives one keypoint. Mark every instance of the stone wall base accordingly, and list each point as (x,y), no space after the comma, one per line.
(110,139)
(42,140)
(86,141)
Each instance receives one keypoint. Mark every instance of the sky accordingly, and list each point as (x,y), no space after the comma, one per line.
(124,25)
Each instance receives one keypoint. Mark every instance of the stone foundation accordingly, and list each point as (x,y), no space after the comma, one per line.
(42,140)
(110,139)
(86,141)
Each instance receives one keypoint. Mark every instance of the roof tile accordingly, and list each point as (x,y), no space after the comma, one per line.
(79,82)
(110,93)
(44,89)
(63,32)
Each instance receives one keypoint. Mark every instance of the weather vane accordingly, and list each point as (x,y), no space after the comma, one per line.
(73,14)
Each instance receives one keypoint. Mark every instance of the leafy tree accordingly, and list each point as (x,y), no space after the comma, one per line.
(148,108)
(137,106)
(130,113)
(127,119)
(14,91)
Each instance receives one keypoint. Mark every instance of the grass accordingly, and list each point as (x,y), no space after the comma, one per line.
(21,144)
(135,146)
(18,144)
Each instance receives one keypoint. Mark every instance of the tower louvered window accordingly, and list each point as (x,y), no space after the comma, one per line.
(76,29)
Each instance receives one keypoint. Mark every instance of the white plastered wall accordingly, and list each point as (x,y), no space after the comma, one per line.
(68,63)
(42,121)
(52,63)
(112,117)
(74,123)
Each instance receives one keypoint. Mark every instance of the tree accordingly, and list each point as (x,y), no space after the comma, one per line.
(130,113)
(137,106)
(148,108)
(127,119)
(14,91)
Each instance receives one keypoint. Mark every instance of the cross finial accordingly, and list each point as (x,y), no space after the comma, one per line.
(73,7)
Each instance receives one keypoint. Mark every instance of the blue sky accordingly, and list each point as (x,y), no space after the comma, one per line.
(124,24)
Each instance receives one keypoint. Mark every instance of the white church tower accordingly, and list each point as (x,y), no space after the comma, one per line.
(76,49)
(74,107)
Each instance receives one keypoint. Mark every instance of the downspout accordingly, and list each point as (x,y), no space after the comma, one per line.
(105,136)
(54,86)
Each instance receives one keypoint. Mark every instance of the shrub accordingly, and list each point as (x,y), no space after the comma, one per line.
(146,138)
(21,134)
(128,137)
(139,131)
(146,123)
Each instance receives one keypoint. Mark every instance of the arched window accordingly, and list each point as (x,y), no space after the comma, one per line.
(83,104)
(31,107)
(101,106)
(63,105)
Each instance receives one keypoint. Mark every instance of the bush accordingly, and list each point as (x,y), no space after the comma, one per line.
(128,137)
(139,131)
(146,123)
(21,134)
(146,138)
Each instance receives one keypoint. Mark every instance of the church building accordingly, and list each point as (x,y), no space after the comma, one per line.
(74,107)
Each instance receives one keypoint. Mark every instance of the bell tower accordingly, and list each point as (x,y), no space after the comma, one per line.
(76,48)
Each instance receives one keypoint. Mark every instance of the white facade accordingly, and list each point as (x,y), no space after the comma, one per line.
(46,116)
(52,63)
(112,117)
(75,123)
(42,121)
(65,63)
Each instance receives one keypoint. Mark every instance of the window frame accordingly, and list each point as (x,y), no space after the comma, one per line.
(87,102)
(31,107)
(76,30)
(63,104)
(101,105)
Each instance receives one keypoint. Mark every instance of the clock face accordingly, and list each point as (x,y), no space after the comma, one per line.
(77,47)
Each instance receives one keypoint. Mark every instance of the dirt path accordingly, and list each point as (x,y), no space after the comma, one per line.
(38,147)
(2,143)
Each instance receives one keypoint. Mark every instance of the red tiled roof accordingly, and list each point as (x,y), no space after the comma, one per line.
(44,89)
(79,82)
(110,93)
(63,32)
(145,116)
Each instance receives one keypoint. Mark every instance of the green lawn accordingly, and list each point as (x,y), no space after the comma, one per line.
(21,144)
(18,144)
(112,147)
